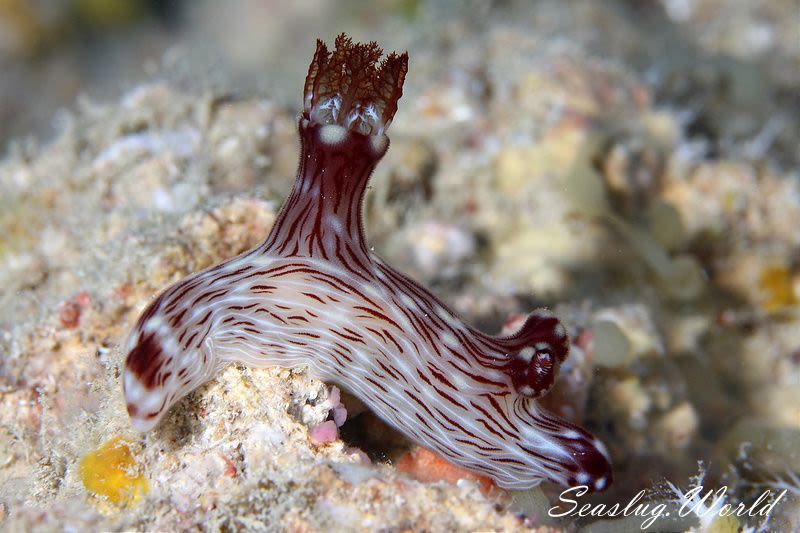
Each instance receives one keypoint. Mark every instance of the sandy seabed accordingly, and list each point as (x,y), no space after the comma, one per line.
(548,157)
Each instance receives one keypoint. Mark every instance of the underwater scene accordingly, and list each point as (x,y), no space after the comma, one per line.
(400,266)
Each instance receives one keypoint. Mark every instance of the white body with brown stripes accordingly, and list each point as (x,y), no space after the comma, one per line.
(314,295)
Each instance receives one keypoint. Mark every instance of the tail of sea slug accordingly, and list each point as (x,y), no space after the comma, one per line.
(169,349)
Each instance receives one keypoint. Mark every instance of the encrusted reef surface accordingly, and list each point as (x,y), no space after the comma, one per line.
(651,200)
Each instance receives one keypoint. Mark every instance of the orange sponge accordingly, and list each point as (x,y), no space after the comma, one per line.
(426,466)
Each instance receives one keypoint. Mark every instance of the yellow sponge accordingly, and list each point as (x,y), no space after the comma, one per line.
(111,472)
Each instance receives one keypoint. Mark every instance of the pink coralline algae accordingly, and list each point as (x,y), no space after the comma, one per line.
(314,295)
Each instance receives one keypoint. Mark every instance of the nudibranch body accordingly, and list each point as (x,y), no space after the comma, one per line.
(313,295)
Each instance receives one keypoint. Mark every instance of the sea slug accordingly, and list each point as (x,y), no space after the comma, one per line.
(314,295)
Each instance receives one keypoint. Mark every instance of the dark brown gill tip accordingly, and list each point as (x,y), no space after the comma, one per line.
(352,88)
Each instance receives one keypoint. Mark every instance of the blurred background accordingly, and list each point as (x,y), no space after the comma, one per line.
(736,59)
(632,164)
